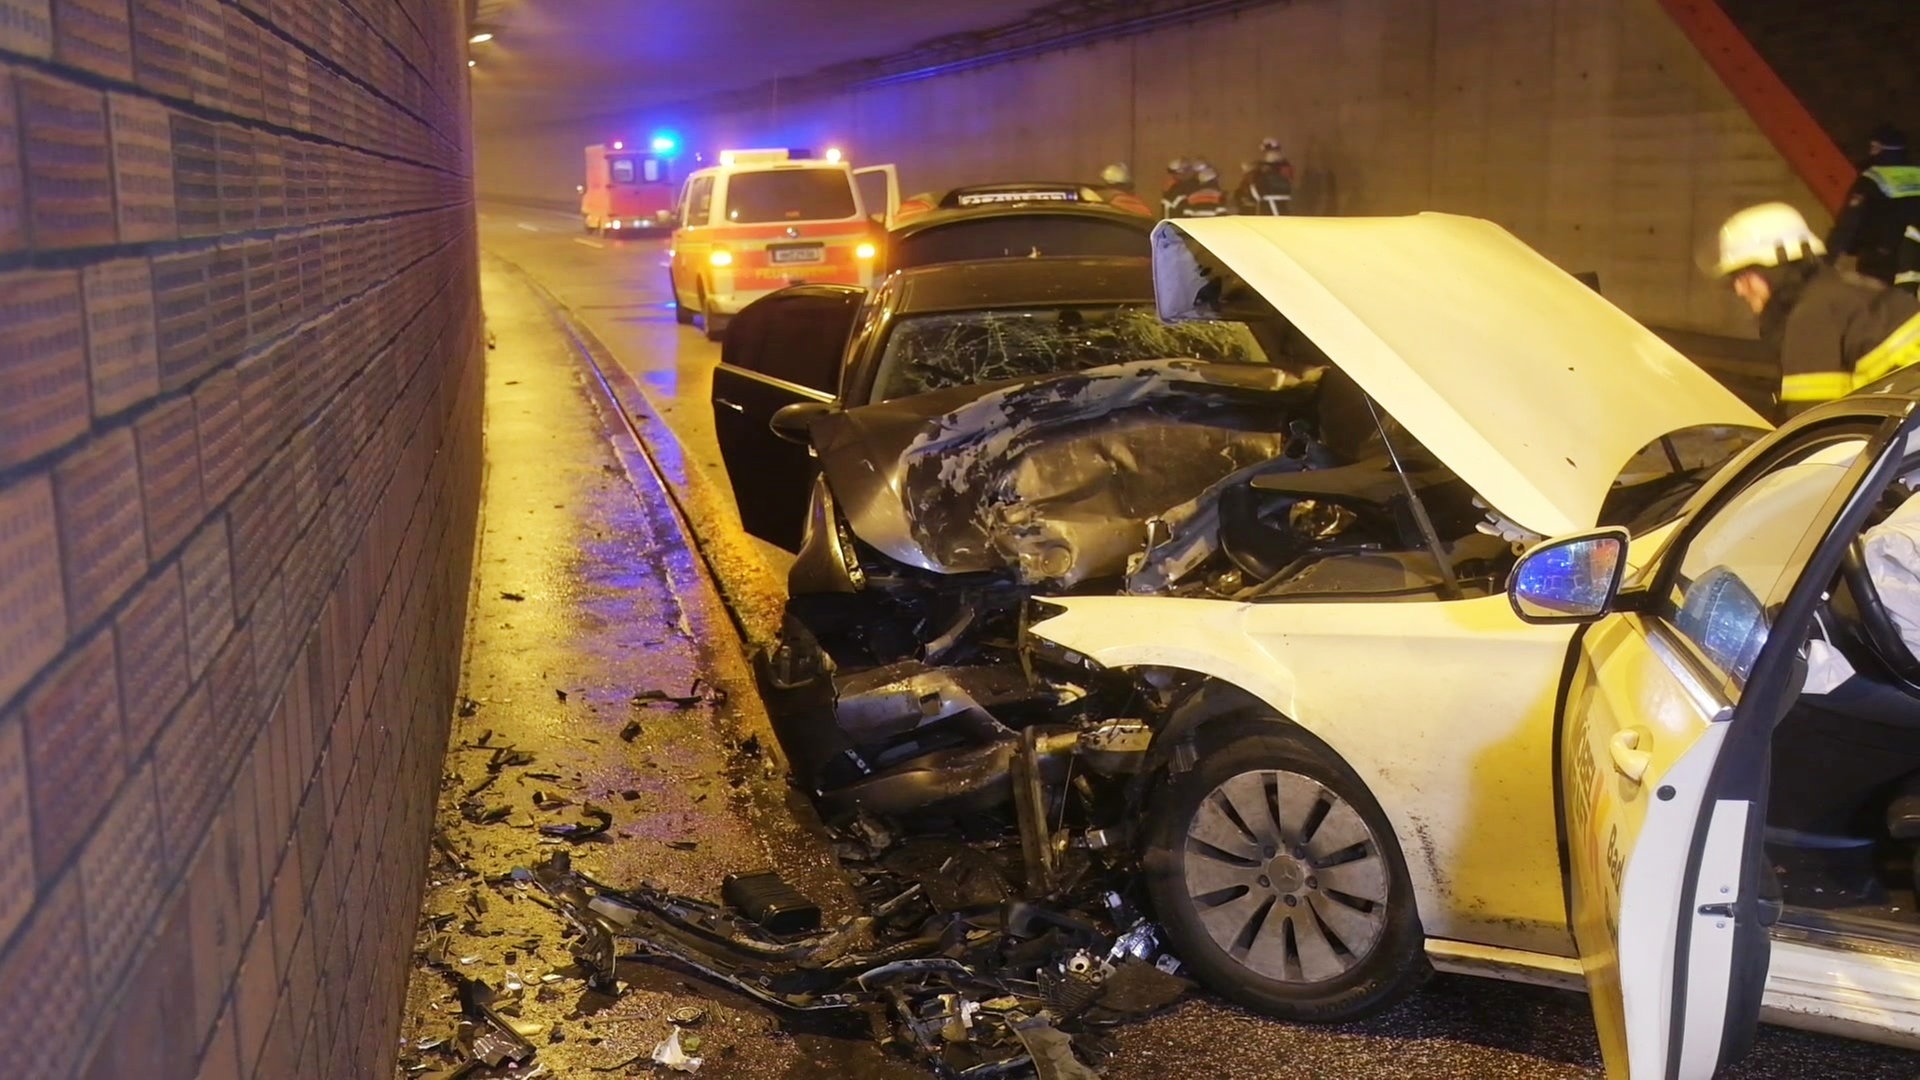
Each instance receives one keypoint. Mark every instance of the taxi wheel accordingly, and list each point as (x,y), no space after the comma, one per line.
(682,314)
(714,323)
(1278,879)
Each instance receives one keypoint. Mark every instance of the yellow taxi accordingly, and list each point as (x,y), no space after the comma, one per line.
(762,220)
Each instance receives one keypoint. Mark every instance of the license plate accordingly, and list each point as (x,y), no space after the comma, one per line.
(799,253)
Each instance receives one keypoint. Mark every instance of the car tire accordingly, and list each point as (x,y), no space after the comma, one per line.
(711,321)
(1324,928)
(682,314)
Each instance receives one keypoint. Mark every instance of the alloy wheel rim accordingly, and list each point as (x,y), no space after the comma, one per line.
(1286,876)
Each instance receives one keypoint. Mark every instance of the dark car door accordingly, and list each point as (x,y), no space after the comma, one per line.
(784,348)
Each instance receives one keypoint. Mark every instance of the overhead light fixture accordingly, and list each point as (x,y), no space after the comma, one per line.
(483,35)
(471,63)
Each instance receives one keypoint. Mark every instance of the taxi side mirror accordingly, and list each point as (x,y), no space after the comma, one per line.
(1573,579)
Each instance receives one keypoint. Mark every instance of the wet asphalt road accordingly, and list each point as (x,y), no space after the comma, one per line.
(589,617)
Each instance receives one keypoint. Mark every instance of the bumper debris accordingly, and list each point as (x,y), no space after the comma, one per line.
(999,989)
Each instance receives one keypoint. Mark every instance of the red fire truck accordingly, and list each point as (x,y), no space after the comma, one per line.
(628,191)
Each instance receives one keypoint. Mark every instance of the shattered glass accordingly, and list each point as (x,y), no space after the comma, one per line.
(934,352)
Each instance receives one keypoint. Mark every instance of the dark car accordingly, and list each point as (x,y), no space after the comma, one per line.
(924,330)
(988,221)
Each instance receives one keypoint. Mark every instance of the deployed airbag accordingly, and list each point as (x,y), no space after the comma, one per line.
(1892,550)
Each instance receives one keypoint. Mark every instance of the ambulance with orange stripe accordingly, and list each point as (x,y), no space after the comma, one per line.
(762,220)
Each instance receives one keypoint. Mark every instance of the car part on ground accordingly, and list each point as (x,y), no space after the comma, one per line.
(1003,989)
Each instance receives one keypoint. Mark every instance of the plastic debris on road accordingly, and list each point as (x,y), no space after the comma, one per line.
(670,1054)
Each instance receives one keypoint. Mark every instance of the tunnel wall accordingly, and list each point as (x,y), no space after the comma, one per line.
(240,362)
(1592,128)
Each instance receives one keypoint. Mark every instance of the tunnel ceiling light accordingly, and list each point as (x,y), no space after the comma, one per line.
(482,36)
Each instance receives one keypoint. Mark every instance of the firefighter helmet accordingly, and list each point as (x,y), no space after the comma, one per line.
(1766,235)
(1116,175)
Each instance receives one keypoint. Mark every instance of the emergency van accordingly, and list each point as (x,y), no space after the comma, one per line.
(762,220)
(626,191)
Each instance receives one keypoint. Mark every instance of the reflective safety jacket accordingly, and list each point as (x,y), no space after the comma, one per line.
(1880,224)
(1836,333)
(1174,194)
(1266,189)
(1205,200)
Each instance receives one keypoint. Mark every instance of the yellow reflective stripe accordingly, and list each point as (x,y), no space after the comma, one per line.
(1901,348)
(1896,181)
(1815,386)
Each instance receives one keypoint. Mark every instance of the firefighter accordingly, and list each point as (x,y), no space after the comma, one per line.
(1833,331)
(1178,185)
(1880,225)
(1267,186)
(1117,177)
(1206,199)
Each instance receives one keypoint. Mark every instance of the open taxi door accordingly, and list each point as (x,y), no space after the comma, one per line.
(880,192)
(1666,729)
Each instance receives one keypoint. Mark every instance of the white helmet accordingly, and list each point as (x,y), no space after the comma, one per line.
(1766,235)
(1116,174)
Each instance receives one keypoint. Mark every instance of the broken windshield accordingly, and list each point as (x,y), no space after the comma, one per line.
(933,352)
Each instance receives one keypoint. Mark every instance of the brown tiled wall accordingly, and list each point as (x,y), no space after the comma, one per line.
(239,467)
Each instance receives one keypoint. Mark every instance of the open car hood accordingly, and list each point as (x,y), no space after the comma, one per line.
(1525,382)
(1054,476)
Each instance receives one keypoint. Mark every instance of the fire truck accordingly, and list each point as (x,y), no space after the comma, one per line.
(628,190)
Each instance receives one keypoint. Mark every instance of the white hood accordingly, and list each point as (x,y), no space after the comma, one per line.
(1529,385)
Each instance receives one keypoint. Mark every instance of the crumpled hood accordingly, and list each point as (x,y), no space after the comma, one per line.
(1528,384)
(1054,477)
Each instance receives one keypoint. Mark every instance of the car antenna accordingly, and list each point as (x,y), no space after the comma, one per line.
(1451,587)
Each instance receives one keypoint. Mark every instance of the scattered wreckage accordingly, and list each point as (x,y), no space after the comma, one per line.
(1005,989)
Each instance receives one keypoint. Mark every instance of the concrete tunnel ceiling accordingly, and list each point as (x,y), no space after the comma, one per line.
(561,60)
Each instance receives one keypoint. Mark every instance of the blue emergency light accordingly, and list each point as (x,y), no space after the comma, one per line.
(664,144)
